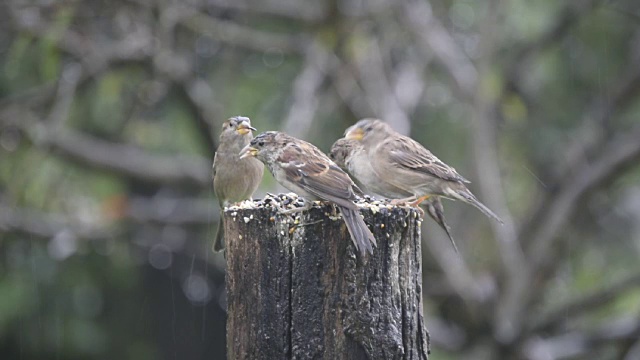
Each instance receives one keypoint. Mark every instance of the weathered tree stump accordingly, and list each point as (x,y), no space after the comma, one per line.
(297,290)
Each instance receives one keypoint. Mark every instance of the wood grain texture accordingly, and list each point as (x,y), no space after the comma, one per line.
(298,291)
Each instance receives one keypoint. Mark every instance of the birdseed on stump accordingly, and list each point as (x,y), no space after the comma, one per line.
(297,290)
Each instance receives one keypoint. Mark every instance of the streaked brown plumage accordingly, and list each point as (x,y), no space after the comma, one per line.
(406,164)
(349,154)
(234,179)
(303,168)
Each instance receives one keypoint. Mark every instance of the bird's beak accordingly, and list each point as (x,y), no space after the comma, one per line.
(248,151)
(354,133)
(244,128)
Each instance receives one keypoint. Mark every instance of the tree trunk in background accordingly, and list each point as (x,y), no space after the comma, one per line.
(298,291)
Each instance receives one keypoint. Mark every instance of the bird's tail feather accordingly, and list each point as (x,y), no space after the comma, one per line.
(218,243)
(360,234)
(466,196)
(436,211)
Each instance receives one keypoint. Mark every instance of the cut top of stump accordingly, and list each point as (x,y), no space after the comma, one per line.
(296,289)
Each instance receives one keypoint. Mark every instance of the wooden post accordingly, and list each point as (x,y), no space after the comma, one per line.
(296,289)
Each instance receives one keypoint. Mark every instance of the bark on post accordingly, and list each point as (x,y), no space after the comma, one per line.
(296,289)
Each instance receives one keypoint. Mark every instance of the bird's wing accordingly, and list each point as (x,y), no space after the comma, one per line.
(313,171)
(406,153)
(214,167)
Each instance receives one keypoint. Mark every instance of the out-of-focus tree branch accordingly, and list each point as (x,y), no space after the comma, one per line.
(36,223)
(64,96)
(568,17)
(445,335)
(585,303)
(435,39)
(205,109)
(620,153)
(459,277)
(465,75)
(305,91)
(607,106)
(614,158)
(519,64)
(378,90)
(158,210)
(553,211)
(123,159)
(453,60)
(237,35)
(171,211)
(587,138)
(485,152)
(348,89)
(136,46)
(308,12)
(576,344)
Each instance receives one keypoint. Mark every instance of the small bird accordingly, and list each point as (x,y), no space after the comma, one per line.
(234,179)
(349,154)
(406,164)
(303,168)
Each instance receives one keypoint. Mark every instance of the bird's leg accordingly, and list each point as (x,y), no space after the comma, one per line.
(401,202)
(419,200)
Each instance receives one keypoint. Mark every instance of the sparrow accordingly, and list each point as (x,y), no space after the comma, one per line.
(406,164)
(349,154)
(302,168)
(234,179)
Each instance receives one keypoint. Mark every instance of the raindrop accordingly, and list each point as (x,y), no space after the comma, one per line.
(272,58)
(160,256)
(10,139)
(197,289)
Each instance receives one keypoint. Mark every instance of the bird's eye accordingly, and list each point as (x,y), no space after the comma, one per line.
(230,125)
(261,143)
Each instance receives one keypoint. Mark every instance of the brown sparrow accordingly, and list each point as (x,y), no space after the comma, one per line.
(349,154)
(404,163)
(302,168)
(234,179)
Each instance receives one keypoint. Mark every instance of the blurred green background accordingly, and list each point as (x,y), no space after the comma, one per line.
(110,113)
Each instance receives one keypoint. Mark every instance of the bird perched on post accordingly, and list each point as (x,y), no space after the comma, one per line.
(303,168)
(350,155)
(404,163)
(234,179)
